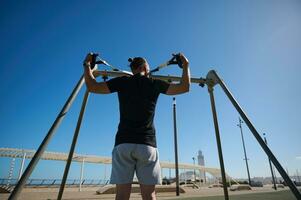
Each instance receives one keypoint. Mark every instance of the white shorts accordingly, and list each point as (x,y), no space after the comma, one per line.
(140,158)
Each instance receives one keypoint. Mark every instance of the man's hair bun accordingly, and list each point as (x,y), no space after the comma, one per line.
(130,60)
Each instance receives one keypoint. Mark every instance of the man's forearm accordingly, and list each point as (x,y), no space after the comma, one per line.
(89,78)
(185,82)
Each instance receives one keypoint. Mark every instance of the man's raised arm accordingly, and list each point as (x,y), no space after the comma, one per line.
(184,84)
(91,83)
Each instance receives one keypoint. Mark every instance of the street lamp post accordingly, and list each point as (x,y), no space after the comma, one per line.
(176,147)
(193,158)
(169,172)
(244,147)
(298,177)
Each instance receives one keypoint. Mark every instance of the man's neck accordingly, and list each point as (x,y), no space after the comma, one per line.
(141,73)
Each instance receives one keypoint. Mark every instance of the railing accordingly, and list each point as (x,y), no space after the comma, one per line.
(54,182)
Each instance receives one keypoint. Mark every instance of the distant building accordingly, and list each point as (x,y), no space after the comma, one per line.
(201,161)
(197,174)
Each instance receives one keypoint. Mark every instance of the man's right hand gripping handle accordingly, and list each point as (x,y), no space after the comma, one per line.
(184,84)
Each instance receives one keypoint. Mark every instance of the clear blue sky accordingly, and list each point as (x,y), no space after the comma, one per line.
(254,45)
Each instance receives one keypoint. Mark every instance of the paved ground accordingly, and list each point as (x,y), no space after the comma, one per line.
(265,193)
(280,195)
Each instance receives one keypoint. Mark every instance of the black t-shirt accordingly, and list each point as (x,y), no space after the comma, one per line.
(137,102)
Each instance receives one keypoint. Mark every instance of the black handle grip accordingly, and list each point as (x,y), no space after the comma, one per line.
(93,61)
(175,60)
(154,70)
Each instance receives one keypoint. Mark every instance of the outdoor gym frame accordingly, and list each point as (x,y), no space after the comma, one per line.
(211,80)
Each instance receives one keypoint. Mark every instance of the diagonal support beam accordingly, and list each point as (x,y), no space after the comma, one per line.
(218,142)
(73,144)
(34,161)
(261,142)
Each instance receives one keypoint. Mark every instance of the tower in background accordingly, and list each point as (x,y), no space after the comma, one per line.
(201,161)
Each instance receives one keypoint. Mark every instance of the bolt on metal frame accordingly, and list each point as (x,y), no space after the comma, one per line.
(211,80)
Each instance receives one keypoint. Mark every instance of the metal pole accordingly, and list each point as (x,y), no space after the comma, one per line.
(218,142)
(81,174)
(258,138)
(22,165)
(244,147)
(193,158)
(72,148)
(97,73)
(275,175)
(271,168)
(105,172)
(176,147)
(34,161)
(169,172)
